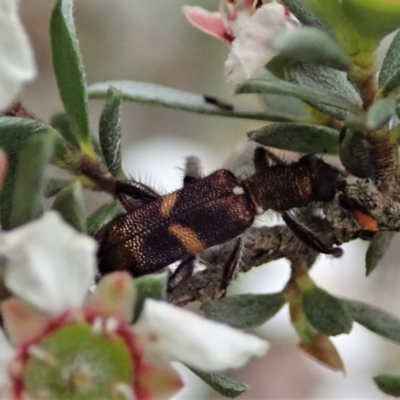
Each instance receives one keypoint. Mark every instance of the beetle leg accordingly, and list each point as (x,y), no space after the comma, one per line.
(183,272)
(307,236)
(232,264)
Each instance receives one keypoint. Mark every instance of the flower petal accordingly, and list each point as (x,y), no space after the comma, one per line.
(157,381)
(16,58)
(251,49)
(208,22)
(48,263)
(115,295)
(177,334)
(6,356)
(22,321)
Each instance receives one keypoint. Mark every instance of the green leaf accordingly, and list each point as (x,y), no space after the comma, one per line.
(275,68)
(305,15)
(103,216)
(70,204)
(62,124)
(389,384)
(321,348)
(379,114)
(13,134)
(334,16)
(356,154)
(327,83)
(374,319)
(377,249)
(220,383)
(143,92)
(244,311)
(326,313)
(69,72)
(54,185)
(278,103)
(14,131)
(389,74)
(110,133)
(290,105)
(312,45)
(30,178)
(311,95)
(373,18)
(303,138)
(149,286)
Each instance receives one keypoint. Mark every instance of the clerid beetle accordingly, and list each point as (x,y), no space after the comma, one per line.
(206,212)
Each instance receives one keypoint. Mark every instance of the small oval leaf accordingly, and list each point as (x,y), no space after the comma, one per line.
(143,92)
(309,94)
(220,383)
(54,185)
(377,249)
(103,216)
(389,74)
(69,72)
(379,114)
(388,384)
(374,319)
(303,138)
(244,311)
(323,350)
(30,176)
(326,313)
(70,204)
(329,83)
(373,18)
(110,133)
(313,46)
(356,154)
(14,132)
(333,15)
(287,104)
(62,124)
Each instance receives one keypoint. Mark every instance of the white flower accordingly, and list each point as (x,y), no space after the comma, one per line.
(16,57)
(252,49)
(194,340)
(6,356)
(42,252)
(249,27)
(114,357)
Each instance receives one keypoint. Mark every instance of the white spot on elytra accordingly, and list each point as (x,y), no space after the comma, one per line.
(238,190)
